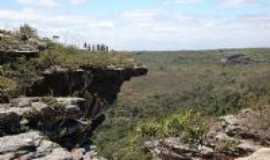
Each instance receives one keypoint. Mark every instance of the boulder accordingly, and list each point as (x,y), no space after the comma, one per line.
(172,148)
(262,154)
(56,117)
(237,59)
(12,46)
(31,145)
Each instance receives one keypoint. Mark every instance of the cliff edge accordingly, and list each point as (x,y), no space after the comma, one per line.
(54,96)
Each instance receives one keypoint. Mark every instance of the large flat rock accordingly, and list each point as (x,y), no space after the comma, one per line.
(31,145)
(262,154)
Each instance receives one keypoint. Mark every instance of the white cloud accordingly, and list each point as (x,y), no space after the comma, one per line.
(49,3)
(157,29)
(71,28)
(146,29)
(182,1)
(78,2)
(39,3)
(235,3)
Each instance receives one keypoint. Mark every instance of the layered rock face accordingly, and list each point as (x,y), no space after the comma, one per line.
(59,127)
(56,116)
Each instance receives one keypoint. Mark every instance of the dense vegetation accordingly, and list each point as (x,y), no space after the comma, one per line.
(182,93)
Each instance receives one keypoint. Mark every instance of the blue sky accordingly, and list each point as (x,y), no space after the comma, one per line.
(146,24)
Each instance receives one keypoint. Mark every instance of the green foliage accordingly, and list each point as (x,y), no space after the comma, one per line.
(26,32)
(189,125)
(23,72)
(6,83)
(73,58)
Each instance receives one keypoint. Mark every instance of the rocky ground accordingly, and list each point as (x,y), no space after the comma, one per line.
(234,136)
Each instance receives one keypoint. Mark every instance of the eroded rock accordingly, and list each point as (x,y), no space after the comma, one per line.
(31,145)
(61,119)
(262,154)
(12,46)
(234,136)
(237,59)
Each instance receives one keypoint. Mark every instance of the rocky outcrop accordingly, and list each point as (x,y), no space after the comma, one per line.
(12,45)
(105,83)
(234,136)
(237,59)
(59,126)
(43,114)
(58,109)
(262,154)
(174,149)
(31,145)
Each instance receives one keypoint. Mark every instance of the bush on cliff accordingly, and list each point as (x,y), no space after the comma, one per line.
(6,84)
(189,125)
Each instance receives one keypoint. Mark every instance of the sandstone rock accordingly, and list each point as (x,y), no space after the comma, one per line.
(248,146)
(87,153)
(35,107)
(105,83)
(171,148)
(53,117)
(262,154)
(237,59)
(4,97)
(31,145)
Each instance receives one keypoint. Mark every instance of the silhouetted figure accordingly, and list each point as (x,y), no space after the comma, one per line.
(85,45)
(93,48)
(98,47)
(107,49)
(89,47)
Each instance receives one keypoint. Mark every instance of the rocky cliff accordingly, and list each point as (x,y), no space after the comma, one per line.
(57,112)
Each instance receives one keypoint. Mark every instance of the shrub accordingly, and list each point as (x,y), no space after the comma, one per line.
(189,125)
(7,84)
(26,32)
(151,129)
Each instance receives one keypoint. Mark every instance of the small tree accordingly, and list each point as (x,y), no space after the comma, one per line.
(27,31)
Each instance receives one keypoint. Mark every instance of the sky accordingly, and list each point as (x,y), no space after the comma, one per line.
(145,24)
